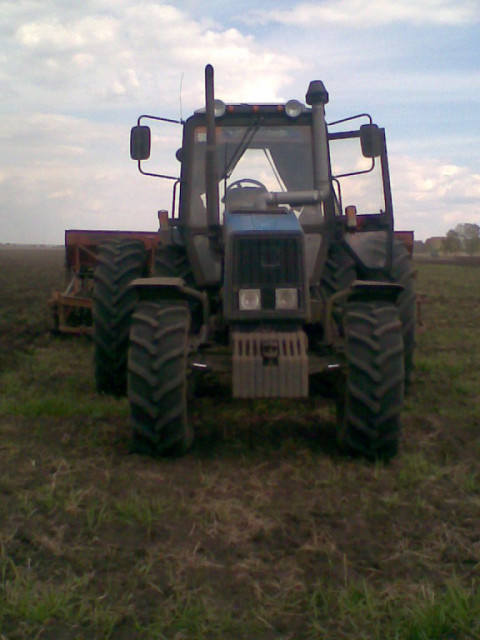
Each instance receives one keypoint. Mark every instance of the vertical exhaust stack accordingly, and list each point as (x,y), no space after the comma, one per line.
(317,98)
(211,177)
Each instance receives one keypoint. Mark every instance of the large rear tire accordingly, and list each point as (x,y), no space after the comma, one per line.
(374,253)
(157,378)
(371,399)
(118,263)
(338,274)
(404,274)
(172,261)
(339,271)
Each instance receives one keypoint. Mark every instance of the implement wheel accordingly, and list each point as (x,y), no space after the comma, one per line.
(118,263)
(371,399)
(157,378)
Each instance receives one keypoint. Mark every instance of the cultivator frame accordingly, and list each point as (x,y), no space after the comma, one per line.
(72,308)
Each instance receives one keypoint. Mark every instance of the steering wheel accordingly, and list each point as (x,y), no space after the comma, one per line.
(245,183)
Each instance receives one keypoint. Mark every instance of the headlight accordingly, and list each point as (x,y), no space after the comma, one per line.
(249,299)
(286,299)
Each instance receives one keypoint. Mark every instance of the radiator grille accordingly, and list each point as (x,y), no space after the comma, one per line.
(267,261)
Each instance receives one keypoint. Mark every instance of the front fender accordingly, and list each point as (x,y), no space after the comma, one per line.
(162,287)
(158,289)
(372,290)
(360,290)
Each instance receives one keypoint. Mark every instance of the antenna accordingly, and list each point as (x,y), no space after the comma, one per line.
(180,96)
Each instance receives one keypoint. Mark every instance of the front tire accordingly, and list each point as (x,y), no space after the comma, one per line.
(157,378)
(371,397)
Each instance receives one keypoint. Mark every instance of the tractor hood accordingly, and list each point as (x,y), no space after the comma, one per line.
(265,267)
(280,221)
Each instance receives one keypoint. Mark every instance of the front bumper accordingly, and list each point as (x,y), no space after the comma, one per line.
(270,364)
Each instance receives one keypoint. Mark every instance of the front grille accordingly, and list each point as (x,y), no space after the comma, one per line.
(260,262)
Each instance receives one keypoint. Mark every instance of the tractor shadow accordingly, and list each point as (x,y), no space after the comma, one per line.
(280,427)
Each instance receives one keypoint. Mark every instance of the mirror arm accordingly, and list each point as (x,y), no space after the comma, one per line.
(356,173)
(155,175)
(159,119)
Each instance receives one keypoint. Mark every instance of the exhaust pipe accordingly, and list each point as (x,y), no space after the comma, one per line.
(317,98)
(211,173)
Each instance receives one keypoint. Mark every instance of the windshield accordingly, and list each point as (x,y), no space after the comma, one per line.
(252,159)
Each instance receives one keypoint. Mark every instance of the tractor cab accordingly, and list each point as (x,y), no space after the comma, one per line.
(259,149)
(272,160)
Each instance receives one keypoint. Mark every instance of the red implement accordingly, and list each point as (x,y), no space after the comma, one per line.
(72,308)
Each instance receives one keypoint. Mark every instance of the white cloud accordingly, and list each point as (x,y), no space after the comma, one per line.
(83,61)
(61,195)
(133,55)
(51,35)
(432,197)
(63,171)
(373,13)
(66,172)
(107,61)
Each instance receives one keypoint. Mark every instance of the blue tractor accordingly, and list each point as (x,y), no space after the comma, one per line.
(265,273)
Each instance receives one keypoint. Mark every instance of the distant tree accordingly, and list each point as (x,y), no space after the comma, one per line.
(452,243)
(465,237)
(471,238)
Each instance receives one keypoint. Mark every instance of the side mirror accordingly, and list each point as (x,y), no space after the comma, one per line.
(371,139)
(140,142)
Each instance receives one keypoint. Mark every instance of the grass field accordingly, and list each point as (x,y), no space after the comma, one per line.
(264,531)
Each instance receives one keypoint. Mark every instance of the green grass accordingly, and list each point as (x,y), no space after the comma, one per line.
(263,530)
(372,614)
(56,381)
(52,605)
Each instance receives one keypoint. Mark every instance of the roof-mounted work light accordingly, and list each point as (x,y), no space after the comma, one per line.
(293,108)
(219,108)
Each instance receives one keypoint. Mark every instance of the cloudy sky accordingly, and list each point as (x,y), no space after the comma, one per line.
(74,76)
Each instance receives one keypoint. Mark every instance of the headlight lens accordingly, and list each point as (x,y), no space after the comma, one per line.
(286,299)
(249,299)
